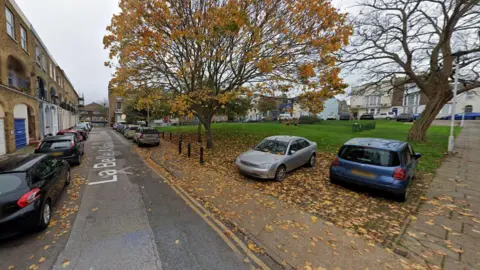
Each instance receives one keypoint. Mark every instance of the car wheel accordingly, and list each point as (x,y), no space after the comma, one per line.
(402,197)
(45,215)
(312,161)
(281,173)
(69,177)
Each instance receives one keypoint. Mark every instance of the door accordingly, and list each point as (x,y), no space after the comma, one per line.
(20,133)
(293,159)
(410,161)
(3,148)
(44,176)
(304,152)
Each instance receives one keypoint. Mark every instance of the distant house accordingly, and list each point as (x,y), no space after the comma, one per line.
(96,114)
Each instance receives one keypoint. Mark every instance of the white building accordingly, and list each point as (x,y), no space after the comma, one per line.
(468,102)
(373,99)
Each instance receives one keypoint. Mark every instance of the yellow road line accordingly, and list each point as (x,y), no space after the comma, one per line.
(196,206)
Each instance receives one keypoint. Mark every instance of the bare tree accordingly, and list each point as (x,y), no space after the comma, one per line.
(419,40)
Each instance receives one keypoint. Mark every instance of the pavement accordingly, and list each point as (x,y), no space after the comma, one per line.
(446,231)
(291,237)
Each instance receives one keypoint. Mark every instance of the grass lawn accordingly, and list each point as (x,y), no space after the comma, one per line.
(330,135)
(310,189)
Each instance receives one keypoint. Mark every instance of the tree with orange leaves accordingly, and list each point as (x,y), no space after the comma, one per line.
(205,53)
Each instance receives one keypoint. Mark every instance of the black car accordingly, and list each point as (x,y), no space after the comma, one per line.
(345,116)
(405,117)
(66,147)
(366,116)
(29,187)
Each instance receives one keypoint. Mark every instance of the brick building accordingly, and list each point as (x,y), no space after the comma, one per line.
(95,113)
(36,97)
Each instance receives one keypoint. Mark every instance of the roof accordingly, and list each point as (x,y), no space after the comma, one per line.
(377,143)
(18,163)
(283,138)
(58,138)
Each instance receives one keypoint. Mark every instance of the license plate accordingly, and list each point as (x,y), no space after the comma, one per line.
(364,174)
(57,154)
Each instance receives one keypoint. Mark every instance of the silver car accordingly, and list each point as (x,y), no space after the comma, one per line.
(145,135)
(275,156)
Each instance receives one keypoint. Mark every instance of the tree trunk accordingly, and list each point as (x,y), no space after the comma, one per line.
(199,132)
(433,107)
(208,133)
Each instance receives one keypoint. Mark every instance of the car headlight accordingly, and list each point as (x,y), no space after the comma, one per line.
(238,159)
(266,165)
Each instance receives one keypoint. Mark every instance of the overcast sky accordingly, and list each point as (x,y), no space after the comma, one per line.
(73,32)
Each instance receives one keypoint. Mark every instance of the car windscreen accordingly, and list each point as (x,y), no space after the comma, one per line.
(11,181)
(368,155)
(272,146)
(133,128)
(150,131)
(55,144)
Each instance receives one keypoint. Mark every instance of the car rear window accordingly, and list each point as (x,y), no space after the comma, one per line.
(150,131)
(55,144)
(368,155)
(11,182)
(133,128)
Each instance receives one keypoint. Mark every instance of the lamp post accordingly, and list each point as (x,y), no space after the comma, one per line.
(451,138)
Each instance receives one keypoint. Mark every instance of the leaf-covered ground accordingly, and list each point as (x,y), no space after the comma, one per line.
(365,211)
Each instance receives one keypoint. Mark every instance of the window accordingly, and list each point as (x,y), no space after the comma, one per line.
(51,70)
(54,74)
(295,146)
(367,155)
(407,157)
(373,100)
(304,143)
(38,54)
(44,63)
(23,38)
(468,109)
(470,95)
(445,109)
(271,146)
(10,23)
(119,105)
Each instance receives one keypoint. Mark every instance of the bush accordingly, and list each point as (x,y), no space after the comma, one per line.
(308,119)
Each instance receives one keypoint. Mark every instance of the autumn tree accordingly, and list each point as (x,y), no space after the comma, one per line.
(266,104)
(418,40)
(237,107)
(311,103)
(205,53)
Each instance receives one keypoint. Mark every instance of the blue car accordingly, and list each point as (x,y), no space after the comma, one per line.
(468,116)
(378,163)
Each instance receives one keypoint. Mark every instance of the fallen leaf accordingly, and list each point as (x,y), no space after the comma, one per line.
(11,267)
(149,209)
(294,235)
(33,267)
(430,222)
(42,259)
(31,257)
(46,247)
(177,242)
(94,209)
(65,263)
(269,228)
(314,219)
(476,220)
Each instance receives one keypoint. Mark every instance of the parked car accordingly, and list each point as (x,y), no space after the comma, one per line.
(122,128)
(71,131)
(273,157)
(284,116)
(468,116)
(66,147)
(87,125)
(345,116)
(130,131)
(386,116)
(416,116)
(146,136)
(82,131)
(387,165)
(367,116)
(331,117)
(29,187)
(405,117)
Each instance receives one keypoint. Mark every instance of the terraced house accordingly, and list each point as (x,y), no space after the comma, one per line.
(36,97)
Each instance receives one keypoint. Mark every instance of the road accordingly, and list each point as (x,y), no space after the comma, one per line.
(128,218)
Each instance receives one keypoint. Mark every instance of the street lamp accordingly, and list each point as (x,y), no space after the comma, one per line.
(451,138)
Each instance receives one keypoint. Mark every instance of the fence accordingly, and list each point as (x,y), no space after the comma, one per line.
(359,127)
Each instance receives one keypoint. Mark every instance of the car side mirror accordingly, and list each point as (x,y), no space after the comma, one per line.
(417,155)
(292,152)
